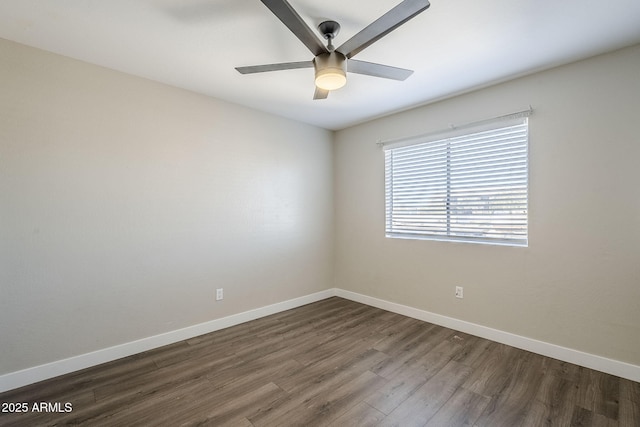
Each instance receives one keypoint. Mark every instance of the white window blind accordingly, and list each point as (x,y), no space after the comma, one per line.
(467,185)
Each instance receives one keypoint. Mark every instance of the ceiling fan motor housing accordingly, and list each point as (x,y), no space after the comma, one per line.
(329,29)
(331,70)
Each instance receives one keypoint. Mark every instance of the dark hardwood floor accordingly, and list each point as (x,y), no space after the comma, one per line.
(335,363)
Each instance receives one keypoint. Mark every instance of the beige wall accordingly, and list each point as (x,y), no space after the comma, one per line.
(124,203)
(578,283)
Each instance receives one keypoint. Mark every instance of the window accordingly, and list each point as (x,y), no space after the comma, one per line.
(466,185)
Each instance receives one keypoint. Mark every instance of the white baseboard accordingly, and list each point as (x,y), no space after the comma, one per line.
(39,373)
(599,363)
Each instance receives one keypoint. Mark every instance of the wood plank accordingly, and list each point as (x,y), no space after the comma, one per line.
(308,384)
(599,393)
(361,415)
(585,418)
(494,371)
(429,398)
(397,390)
(141,411)
(511,402)
(406,380)
(414,351)
(462,409)
(161,379)
(561,369)
(474,350)
(554,403)
(230,411)
(325,407)
(629,403)
(400,334)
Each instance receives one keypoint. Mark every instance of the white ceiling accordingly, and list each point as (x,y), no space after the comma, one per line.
(454,46)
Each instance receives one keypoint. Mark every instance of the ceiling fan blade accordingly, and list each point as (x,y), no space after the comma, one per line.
(377,70)
(289,17)
(274,67)
(383,26)
(320,93)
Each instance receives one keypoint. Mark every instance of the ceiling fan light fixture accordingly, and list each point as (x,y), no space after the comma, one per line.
(330,79)
(331,70)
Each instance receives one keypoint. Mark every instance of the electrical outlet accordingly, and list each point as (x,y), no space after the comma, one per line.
(459,292)
(219,294)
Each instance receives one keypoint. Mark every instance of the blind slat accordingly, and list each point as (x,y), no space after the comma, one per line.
(470,187)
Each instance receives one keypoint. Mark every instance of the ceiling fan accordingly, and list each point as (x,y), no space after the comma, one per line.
(331,64)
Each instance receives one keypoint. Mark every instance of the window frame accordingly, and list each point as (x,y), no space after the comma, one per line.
(516,197)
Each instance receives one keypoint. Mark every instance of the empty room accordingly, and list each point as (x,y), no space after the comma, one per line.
(301,213)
